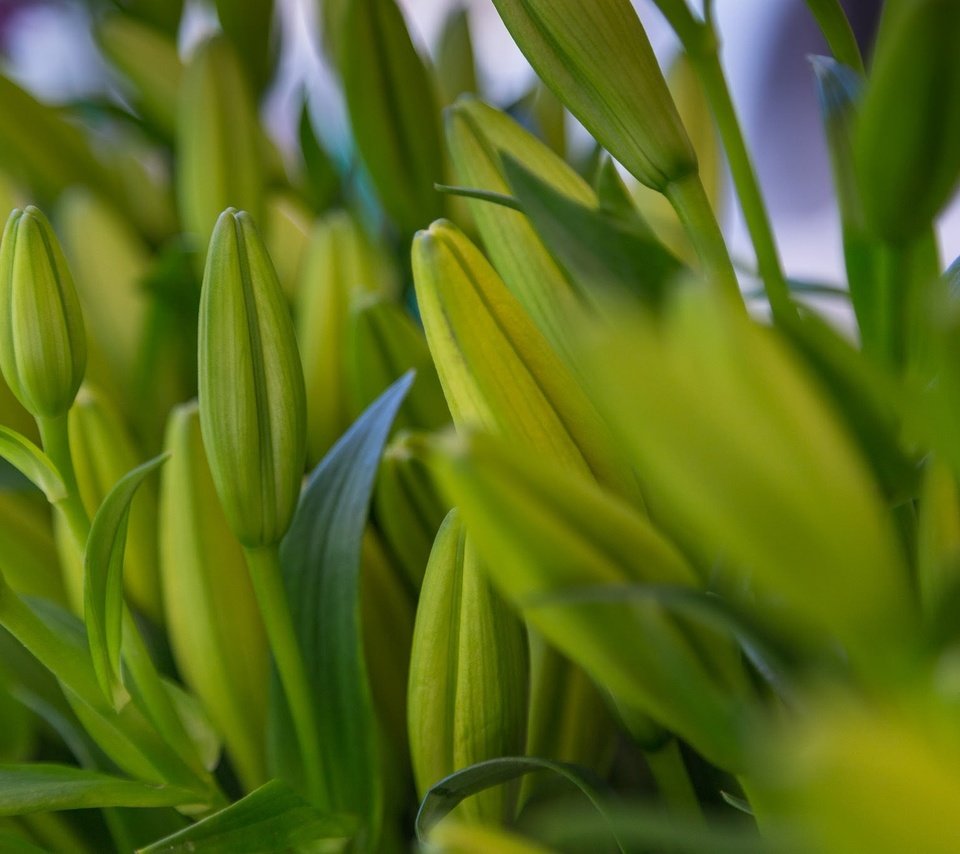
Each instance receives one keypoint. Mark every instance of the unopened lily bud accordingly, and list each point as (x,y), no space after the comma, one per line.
(468,674)
(610,81)
(252,399)
(43,349)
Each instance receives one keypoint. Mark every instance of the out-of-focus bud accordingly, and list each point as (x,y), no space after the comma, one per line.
(612,81)
(287,232)
(110,262)
(340,263)
(103,451)
(252,400)
(408,509)
(213,621)
(468,674)
(383,343)
(149,60)
(43,350)
(219,141)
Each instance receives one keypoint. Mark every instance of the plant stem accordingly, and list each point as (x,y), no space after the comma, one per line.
(690,202)
(670,773)
(706,60)
(265,573)
(56,444)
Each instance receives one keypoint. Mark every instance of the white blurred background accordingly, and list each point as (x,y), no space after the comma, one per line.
(47,47)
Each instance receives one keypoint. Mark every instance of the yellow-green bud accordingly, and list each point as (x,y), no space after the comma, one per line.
(43,349)
(468,673)
(252,399)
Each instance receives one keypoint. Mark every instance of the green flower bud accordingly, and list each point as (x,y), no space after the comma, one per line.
(468,674)
(252,398)
(596,57)
(43,349)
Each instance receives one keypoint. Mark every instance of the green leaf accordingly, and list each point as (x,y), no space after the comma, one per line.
(32,463)
(103,579)
(834,25)
(456,68)
(323,182)
(449,792)
(320,557)
(272,818)
(252,26)
(393,111)
(48,788)
(599,251)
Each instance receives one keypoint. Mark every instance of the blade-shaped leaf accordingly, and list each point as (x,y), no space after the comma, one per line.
(449,792)
(321,563)
(598,250)
(272,818)
(32,463)
(46,788)
(103,579)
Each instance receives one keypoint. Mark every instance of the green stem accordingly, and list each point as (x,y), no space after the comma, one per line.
(706,60)
(690,202)
(265,573)
(55,438)
(670,774)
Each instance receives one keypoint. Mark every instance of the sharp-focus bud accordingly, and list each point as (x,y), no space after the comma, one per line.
(468,674)
(340,263)
(252,400)
(478,136)
(408,509)
(610,81)
(43,350)
(103,452)
(497,371)
(383,343)
(912,99)
(149,61)
(219,141)
(213,621)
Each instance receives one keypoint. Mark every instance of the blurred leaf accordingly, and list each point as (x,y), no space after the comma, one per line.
(47,788)
(907,146)
(599,252)
(323,181)
(321,562)
(449,792)
(272,818)
(835,27)
(455,838)
(32,463)
(162,14)
(103,579)
(251,26)
(393,111)
(28,555)
(148,60)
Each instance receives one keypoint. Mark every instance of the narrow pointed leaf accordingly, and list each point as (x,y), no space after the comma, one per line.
(48,788)
(271,818)
(32,463)
(321,562)
(835,27)
(103,574)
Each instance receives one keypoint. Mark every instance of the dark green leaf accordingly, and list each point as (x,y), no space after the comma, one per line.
(321,175)
(103,578)
(443,797)
(836,29)
(321,563)
(599,250)
(46,788)
(272,818)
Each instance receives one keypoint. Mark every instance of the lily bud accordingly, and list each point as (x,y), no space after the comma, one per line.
(43,349)
(468,674)
(610,81)
(252,398)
